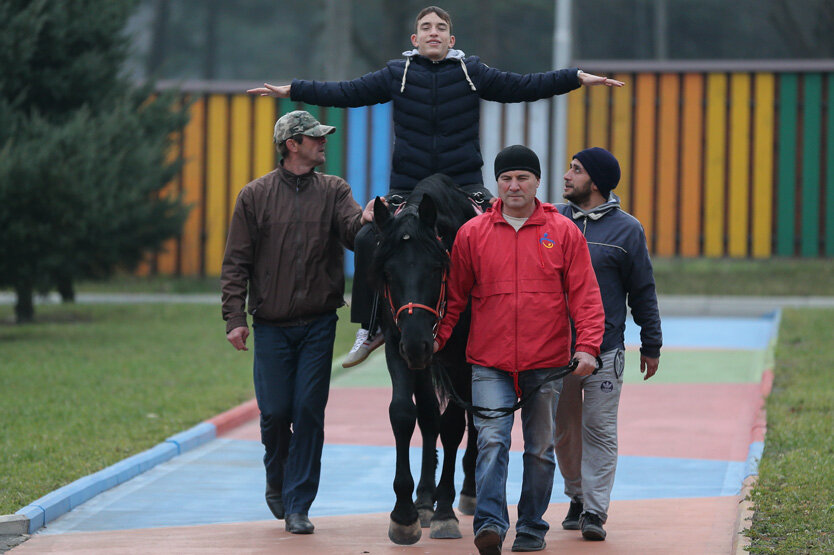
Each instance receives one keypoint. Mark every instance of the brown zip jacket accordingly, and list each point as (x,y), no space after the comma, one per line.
(285,244)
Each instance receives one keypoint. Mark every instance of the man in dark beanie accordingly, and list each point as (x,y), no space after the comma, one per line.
(586,426)
(527,272)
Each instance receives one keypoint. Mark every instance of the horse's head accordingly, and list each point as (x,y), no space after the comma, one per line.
(410,268)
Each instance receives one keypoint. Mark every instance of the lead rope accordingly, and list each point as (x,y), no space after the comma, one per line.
(555,374)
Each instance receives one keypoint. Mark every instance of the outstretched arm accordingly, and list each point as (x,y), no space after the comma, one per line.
(589,80)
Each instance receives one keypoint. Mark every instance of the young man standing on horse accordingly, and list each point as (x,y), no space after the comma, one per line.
(528,273)
(285,247)
(436,91)
(586,420)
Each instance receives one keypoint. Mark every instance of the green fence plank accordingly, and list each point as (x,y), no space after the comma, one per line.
(786,184)
(811,150)
(829,172)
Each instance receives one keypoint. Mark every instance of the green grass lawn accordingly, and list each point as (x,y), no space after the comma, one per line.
(794,496)
(86,386)
(674,276)
(726,276)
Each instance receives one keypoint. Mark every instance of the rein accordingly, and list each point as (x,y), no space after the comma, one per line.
(555,374)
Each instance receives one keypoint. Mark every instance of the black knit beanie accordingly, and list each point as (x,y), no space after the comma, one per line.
(602,167)
(517,157)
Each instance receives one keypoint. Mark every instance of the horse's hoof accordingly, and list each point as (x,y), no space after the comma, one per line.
(466,505)
(425,517)
(445,529)
(402,534)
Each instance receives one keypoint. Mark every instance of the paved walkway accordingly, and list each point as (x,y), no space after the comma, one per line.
(688,438)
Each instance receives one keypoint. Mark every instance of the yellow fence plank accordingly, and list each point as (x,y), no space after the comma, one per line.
(667,165)
(763,184)
(217,173)
(167,259)
(738,181)
(264,149)
(621,146)
(240,162)
(576,124)
(192,187)
(692,150)
(644,153)
(714,164)
(598,98)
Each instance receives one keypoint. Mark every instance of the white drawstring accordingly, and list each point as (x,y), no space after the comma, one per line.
(466,73)
(407,63)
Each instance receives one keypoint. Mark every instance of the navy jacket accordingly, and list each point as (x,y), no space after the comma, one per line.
(623,268)
(436,109)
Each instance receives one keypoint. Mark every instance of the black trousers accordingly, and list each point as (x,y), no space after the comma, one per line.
(364,298)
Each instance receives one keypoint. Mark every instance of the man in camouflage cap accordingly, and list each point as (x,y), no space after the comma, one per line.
(299,122)
(285,248)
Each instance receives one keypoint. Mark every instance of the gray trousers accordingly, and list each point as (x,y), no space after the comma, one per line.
(586,433)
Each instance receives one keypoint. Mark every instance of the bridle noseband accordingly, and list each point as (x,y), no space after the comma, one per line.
(438,311)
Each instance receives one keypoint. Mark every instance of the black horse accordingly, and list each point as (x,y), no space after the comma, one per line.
(410,267)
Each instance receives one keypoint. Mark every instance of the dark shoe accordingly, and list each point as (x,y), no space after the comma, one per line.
(592,527)
(488,541)
(571,521)
(274,501)
(528,542)
(298,523)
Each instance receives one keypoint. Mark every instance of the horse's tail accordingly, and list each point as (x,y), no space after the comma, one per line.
(442,384)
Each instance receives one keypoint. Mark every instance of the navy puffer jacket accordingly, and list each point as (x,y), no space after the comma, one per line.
(436,108)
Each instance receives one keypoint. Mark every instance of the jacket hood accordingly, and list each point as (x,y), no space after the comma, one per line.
(451,54)
(613,203)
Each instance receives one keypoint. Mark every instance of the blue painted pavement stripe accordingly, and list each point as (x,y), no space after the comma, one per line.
(55,504)
(711,333)
(223,481)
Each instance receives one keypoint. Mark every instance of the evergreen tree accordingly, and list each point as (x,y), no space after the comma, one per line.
(83,152)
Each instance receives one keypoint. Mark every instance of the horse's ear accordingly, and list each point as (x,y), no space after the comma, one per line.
(381,214)
(428,212)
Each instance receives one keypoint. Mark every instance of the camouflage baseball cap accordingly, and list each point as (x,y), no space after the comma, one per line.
(299,122)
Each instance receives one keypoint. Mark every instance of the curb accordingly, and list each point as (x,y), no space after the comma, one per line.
(233,418)
(744,518)
(54,504)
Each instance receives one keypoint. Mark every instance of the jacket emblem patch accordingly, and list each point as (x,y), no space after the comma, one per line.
(546,242)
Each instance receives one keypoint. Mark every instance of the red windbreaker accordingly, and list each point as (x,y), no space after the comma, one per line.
(524,287)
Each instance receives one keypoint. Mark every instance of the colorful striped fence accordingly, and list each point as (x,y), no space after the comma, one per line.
(716,162)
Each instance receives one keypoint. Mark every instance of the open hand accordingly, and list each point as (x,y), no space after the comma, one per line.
(589,80)
(278,91)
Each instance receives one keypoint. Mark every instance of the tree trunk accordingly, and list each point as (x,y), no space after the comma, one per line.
(24,308)
(66,289)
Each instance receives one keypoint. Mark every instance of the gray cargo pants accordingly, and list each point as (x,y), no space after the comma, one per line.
(586,433)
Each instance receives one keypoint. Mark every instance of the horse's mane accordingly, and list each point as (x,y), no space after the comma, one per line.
(453,210)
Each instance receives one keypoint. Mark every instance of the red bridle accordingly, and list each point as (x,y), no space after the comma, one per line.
(438,311)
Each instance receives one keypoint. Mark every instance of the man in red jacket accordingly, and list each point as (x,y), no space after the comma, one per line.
(527,270)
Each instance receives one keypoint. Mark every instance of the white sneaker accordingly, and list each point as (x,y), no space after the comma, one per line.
(362,347)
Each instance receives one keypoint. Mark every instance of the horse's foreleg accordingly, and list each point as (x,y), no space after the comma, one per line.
(428,418)
(445,524)
(404,528)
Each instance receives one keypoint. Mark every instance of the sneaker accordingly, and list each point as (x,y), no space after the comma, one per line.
(592,527)
(362,347)
(488,541)
(571,521)
(528,542)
